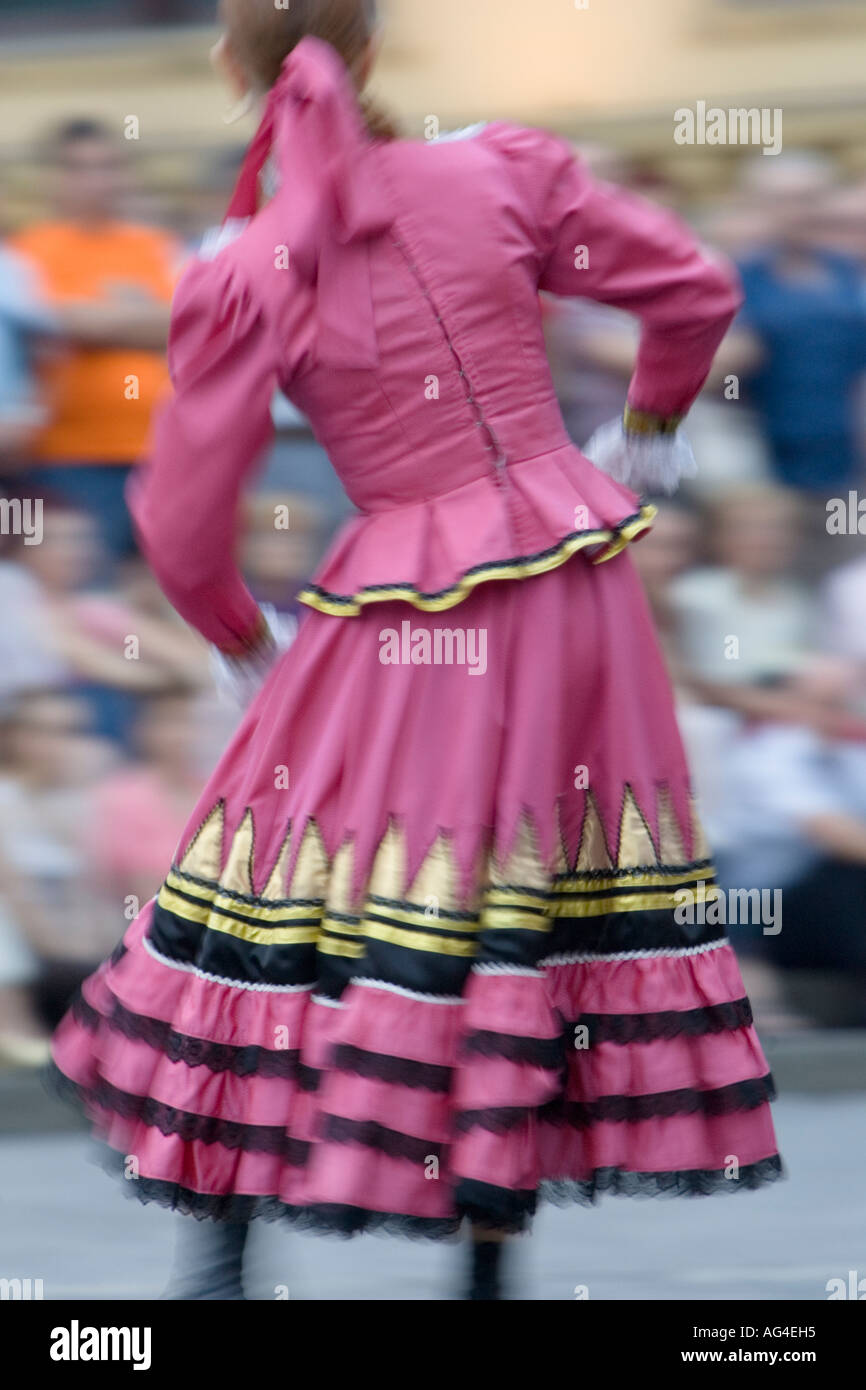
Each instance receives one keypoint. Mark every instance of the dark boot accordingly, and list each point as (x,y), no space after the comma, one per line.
(485,1270)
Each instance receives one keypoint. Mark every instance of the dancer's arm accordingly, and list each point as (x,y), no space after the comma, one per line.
(609,245)
(223,358)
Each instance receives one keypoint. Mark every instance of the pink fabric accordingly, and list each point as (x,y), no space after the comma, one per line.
(362,739)
(574,678)
(430,250)
(407,327)
(351,1175)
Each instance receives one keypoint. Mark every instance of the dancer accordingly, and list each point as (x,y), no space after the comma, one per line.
(418,960)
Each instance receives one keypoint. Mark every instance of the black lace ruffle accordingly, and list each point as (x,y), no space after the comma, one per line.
(496,1208)
(199,1052)
(725,1100)
(379,1066)
(188,1126)
(690,1182)
(322,1219)
(371,1135)
(548,1053)
(691,1023)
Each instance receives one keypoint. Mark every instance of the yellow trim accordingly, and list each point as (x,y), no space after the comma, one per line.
(419,941)
(331,924)
(417,917)
(508,917)
(505,919)
(218,897)
(242,931)
(329,946)
(635,879)
(206,916)
(640,902)
(628,533)
(590,884)
(351,606)
(504,909)
(646,423)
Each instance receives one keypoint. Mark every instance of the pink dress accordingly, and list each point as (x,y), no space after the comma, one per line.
(418,956)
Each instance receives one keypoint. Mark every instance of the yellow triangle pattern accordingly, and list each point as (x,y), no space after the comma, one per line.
(275,890)
(316,877)
(204,857)
(593,855)
(636,848)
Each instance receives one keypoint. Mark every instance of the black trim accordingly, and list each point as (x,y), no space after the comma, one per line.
(229,957)
(486,1205)
(401,1071)
(613,933)
(548,1053)
(371,1135)
(422,972)
(188,1126)
(198,1052)
(328,1219)
(688,1182)
(640,1028)
(724,1100)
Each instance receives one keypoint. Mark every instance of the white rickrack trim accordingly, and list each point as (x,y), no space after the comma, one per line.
(259,988)
(589,957)
(326,1002)
(408,993)
(493,969)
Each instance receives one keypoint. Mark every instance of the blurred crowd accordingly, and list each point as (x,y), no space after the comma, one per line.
(108,720)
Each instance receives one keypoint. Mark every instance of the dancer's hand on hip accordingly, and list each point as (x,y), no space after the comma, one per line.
(240,678)
(646,463)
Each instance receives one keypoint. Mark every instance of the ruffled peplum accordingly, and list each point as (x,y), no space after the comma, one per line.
(528,519)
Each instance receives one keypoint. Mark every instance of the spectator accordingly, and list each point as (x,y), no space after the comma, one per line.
(282,546)
(109,650)
(745,621)
(24,318)
(796,823)
(52,763)
(111,285)
(140,810)
(805,306)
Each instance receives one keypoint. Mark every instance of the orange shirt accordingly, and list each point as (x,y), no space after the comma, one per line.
(87,389)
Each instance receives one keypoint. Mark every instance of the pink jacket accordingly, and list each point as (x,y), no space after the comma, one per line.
(391,290)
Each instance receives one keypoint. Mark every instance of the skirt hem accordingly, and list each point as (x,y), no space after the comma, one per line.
(497,1208)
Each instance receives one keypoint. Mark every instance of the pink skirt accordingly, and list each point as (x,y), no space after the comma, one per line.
(421,955)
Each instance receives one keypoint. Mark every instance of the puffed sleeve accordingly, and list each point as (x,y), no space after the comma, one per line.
(609,245)
(223,359)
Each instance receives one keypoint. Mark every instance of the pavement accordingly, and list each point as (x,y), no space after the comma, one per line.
(64,1221)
